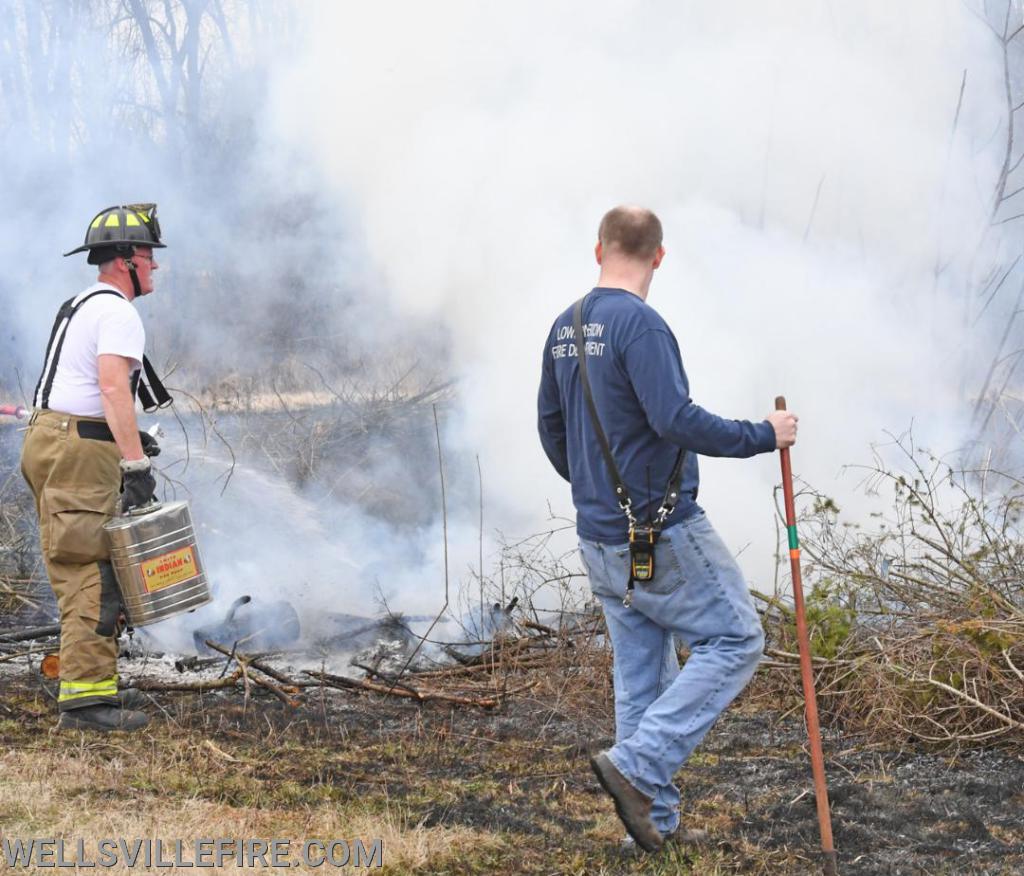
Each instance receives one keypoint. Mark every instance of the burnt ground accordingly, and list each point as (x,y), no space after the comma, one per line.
(518,780)
(502,791)
(893,812)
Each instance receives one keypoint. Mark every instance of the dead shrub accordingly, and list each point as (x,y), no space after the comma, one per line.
(917,625)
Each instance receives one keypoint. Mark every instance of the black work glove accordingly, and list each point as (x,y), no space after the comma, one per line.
(149,444)
(138,485)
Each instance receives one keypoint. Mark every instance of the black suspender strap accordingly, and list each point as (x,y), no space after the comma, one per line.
(68,309)
(144,396)
(152,397)
(41,396)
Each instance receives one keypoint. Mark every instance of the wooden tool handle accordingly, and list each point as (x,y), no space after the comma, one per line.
(806,672)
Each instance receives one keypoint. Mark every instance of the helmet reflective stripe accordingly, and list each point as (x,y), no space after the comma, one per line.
(131,219)
(112,220)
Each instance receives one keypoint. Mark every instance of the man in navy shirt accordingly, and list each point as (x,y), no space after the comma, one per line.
(697,592)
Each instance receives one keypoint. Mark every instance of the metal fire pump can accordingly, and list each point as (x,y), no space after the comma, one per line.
(157,563)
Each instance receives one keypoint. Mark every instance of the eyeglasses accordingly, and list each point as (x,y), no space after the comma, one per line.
(142,255)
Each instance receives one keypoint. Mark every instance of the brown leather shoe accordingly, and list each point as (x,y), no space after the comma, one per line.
(632,807)
(687,836)
(680,836)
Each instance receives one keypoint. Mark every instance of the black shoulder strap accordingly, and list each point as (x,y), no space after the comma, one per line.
(621,493)
(675,478)
(41,398)
(675,481)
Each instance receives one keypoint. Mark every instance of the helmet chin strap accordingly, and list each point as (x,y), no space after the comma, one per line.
(136,285)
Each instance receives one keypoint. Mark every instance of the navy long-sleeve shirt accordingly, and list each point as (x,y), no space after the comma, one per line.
(643,401)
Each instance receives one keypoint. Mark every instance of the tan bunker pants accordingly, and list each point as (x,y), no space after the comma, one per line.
(76,482)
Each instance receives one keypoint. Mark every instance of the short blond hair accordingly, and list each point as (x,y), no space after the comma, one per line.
(632,231)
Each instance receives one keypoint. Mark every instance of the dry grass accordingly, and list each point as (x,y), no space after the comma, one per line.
(83,793)
(452,792)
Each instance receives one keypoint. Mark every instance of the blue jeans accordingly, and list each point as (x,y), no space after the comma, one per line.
(661,712)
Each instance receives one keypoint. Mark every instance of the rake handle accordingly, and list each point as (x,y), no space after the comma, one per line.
(806,671)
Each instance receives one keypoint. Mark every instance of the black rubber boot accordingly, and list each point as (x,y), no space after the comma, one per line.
(130,698)
(102,718)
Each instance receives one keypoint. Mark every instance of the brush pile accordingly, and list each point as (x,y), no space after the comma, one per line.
(20,572)
(917,627)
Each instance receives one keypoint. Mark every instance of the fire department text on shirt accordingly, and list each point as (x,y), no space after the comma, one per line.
(566,333)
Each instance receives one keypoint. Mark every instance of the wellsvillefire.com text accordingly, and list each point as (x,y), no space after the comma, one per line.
(161,853)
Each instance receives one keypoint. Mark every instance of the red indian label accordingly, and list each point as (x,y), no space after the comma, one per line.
(169,569)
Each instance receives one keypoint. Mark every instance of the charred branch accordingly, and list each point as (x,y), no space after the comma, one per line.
(405,691)
(32,633)
(255,662)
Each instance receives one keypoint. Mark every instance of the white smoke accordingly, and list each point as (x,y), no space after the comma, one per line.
(801,155)
(436,174)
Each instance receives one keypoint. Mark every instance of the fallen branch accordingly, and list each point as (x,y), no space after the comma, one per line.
(524,663)
(31,633)
(343,683)
(825,661)
(8,657)
(291,702)
(191,687)
(386,677)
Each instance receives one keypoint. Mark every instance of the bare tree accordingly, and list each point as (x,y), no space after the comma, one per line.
(993,303)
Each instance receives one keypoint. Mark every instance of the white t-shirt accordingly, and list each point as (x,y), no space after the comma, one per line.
(104,324)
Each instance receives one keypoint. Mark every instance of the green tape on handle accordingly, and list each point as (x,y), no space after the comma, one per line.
(794,542)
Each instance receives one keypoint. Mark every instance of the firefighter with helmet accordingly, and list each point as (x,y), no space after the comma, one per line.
(84,458)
